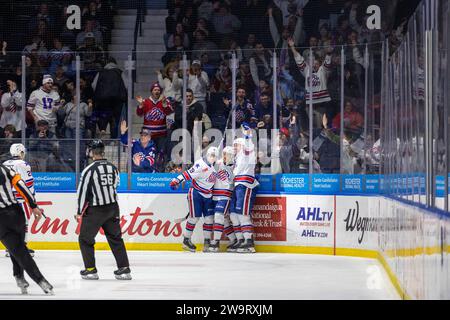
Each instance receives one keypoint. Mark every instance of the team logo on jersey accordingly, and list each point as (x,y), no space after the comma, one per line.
(155,115)
(240,117)
(223,175)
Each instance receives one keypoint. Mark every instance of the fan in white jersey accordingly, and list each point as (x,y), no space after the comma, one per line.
(44,103)
(18,164)
(222,193)
(202,176)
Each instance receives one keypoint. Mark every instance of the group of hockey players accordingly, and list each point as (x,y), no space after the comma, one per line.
(222,191)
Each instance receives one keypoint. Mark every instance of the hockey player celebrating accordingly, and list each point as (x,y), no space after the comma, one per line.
(203,176)
(245,185)
(18,164)
(222,192)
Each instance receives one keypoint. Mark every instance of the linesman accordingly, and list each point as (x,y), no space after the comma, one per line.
(98,208)
(12,229)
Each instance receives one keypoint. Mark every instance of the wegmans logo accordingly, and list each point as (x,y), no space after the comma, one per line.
(360,224)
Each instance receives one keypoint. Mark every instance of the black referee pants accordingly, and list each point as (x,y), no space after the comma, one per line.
(108,218)
(12,235)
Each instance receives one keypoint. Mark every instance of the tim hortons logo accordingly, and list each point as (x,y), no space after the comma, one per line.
(137,223)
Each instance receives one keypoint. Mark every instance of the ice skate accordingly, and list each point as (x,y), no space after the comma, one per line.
(247,247)
(123,273)
(234,245)
(206,245)
(214,247)
(46,287)
(188,245)
(22,284)
(31,251)
(89,274)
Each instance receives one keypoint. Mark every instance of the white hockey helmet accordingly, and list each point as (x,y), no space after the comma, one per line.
(240,141)
(16,150)
(228,155)
(228,150)
(212,154)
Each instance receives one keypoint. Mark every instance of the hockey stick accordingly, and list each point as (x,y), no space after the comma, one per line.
(180,220)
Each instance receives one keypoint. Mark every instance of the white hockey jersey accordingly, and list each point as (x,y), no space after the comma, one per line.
(223,187)
(244,167)
(24,169)
(43,103)
(12,113)
(319,79)
(203,177)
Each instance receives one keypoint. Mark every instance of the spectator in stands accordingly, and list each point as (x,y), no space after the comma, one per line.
(204,9)
(225,23)
(110,94)
(281,41)
(8,136)
(42,31)
(91,12)
(6,59)
(89,28)
(343,29)
(155,110)
(44,103)
(202,45)
(319,91)
(290,8)
(244,79)
(180,32)
(313,44)
(36,44)
(143,151)
(69,113)
(11,107)
(32,67)
(261,64)
(202,25)
(249,47)
(171,82)
(194,110)
(175,53)
(353,120)
(60,77)
(222,81)
(208,67)
(264,107)
(42,15)
(198,81)
(68,90)
(60,55)
(243,109)
(91,54)
(42,146)
(188,19)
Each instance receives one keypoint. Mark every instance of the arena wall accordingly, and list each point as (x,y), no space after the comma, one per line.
(412,244)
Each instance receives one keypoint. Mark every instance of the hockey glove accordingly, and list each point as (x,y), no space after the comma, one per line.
(174,184)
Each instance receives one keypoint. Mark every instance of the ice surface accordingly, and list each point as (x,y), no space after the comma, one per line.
(205,276)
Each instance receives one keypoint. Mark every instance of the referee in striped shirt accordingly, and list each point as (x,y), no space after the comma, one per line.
(98,208)
(12,229)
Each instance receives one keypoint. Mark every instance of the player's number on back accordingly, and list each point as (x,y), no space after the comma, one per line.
(106,179)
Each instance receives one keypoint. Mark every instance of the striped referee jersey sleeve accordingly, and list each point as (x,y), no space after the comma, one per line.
(83,188)
(21,187)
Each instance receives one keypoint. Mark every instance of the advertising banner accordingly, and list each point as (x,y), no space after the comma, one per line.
(149,218)
(311,220)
